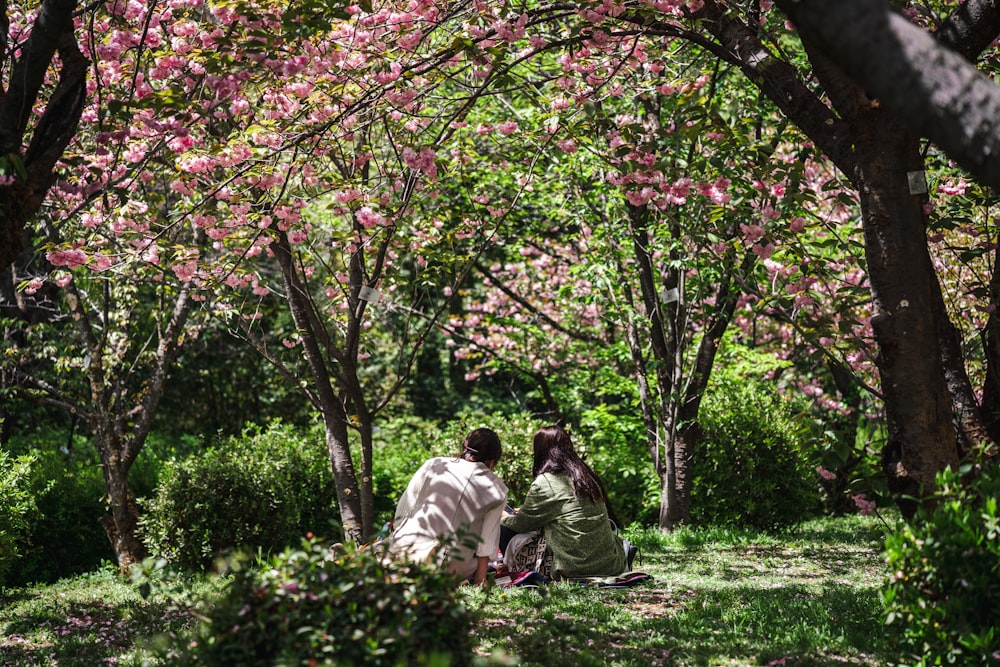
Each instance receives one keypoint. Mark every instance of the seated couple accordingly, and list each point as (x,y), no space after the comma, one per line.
(458,498)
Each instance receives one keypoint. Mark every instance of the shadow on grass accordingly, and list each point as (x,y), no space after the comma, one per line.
(77,633)
(663,625)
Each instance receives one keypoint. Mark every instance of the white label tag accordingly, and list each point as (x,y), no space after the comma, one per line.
(369,294)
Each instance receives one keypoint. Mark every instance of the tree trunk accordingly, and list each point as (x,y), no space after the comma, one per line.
(339,450)
(121,522)
(368,527)
(921,436)
(328,400)
(33,167)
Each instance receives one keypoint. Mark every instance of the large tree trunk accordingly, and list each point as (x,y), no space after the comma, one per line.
(120,434)
(871,147)
(919,414)
(339,450)
(33,167)
(364,425)
(327,398)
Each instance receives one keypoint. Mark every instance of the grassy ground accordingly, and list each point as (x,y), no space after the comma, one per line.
(807,597)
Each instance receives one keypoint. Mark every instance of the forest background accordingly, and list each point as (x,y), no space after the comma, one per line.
(710,242)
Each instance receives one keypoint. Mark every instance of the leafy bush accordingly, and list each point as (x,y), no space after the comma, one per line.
(750,470)
(944,593)
(263,490)
(400,445)
(65,482)
(311,607)
(616,447)
(17,507)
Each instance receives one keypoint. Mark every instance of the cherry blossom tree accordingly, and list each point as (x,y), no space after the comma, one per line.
(669,230)
(879,156)
(308,145)
(306,149)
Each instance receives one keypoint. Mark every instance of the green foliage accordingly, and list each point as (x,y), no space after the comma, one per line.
(750,470)
(616,447)
(400,446)
(65,483)
(17,508)
(219,384)
(943,595)
(262,490)
(309,606)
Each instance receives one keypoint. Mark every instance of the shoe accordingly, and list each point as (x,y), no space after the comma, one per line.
(631,551)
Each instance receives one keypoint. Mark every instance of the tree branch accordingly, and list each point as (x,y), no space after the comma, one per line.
(930,87)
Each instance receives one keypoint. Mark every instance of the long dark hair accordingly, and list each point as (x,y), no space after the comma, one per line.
(554,453)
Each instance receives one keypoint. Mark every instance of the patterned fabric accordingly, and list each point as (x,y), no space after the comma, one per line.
(529,552)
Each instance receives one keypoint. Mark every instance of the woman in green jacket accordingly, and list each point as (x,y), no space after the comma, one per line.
(567,502)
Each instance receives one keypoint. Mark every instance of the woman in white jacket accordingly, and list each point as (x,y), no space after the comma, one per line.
(451,509)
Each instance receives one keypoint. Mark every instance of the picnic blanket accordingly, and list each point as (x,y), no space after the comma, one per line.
(532,579)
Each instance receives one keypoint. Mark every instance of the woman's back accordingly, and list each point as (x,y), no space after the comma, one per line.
(578,532)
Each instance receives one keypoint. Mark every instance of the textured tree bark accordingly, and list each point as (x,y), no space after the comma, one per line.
(923,384)
(33,167)
(349,498)
(919,414)
(934,90)
(121,522)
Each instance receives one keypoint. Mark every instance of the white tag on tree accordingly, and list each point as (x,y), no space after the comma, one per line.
(369,294)
(918,184)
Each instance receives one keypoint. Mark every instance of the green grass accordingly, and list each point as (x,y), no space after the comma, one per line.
(809,596)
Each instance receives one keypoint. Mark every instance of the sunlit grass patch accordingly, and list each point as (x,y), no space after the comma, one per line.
(808,596)
(95,619)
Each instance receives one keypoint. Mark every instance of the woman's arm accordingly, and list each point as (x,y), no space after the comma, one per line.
(540,507)
(481,566)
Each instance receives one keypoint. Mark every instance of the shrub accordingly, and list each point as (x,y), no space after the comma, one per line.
(310,607)
(17,507)
(262,491)
(944,593)
(66,537)
(616,447)
(401,445)
(749,470)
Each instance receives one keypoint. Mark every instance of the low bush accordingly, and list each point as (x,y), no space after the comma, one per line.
(750,470)
(261,491)
(616,447)
(401,446)
(309,606)
(65,483)
(943,594)
(17,507)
